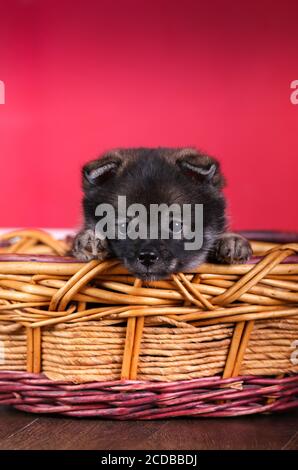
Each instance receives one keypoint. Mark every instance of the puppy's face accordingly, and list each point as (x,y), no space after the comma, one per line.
(159,236)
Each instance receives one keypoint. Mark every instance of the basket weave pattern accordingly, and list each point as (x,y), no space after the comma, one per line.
(210,342)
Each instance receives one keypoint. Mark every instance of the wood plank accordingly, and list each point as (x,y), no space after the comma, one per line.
(12,422)
(25,431)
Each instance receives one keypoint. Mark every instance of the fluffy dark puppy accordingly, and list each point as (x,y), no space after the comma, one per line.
(155,177)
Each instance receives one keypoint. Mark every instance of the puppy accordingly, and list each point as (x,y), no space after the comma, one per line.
(151,178)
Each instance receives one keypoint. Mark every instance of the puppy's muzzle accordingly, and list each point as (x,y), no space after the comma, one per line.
(148,258)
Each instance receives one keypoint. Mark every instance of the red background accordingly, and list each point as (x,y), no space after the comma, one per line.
(84,76)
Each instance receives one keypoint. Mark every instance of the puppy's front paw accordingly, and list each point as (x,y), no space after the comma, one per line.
(232,248)
(87,246)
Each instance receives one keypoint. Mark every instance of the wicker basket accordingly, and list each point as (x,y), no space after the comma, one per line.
(88,339)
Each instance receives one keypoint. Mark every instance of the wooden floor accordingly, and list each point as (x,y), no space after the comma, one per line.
(24,431)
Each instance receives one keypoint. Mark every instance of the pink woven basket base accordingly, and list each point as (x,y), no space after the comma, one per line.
(211,397)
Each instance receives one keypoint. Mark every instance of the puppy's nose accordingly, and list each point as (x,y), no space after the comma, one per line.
(147,258)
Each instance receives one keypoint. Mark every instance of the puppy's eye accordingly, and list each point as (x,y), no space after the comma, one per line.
(176,226)
(122,228)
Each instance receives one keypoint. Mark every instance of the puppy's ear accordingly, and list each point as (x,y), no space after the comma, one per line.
(200,167)
(97,172)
